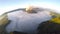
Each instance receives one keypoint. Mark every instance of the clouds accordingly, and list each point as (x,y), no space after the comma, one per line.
(7,5)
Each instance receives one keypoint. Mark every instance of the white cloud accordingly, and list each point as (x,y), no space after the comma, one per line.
(41,4)
(48,5)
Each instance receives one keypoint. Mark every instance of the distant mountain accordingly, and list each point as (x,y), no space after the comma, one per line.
(36,9)
(16,10)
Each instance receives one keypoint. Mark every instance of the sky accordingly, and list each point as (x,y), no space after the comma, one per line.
(8,5)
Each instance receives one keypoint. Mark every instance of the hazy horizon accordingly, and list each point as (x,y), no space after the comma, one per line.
(7,5)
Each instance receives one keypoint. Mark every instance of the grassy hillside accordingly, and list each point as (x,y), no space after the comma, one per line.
(55,17)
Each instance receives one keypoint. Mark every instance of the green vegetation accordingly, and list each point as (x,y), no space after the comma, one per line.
(55,17)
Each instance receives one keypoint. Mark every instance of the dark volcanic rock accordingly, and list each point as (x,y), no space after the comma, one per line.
(49,28)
